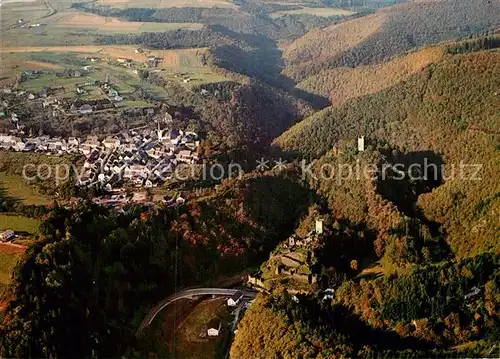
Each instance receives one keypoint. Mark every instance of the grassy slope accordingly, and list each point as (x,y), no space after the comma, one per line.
(435,110)
(19,223)
(18,189)
(8,259)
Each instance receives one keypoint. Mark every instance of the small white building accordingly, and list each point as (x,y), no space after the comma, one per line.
(319,226)
(85,109)
(235,299)
(361,144)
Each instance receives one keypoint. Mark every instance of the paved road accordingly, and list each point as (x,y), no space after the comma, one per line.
(189,293)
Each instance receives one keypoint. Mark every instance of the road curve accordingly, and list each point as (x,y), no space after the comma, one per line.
(189,293)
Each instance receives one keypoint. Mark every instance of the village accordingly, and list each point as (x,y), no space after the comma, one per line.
(140,157)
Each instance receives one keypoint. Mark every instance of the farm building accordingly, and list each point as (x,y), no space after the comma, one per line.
(214,326)
(7,235)
(235,299)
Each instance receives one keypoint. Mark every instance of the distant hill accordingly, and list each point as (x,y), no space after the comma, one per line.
(343,83)
(389,32)
(449,110)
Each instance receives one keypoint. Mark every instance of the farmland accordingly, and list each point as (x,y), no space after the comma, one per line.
(27,10)
(53,58)
(317,11)
(16,188)
(167,3)
(78,28)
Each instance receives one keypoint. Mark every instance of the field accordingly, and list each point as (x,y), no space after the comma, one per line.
(17,189)
(172,58)
(167,3)
(79,20)
(19,224)
(186,62)
(78,28)
(318,11)
(11,12)
(9,255)
(176,330)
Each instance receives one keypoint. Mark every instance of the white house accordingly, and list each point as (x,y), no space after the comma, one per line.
(72,141)
(7,235)
(235,299)
(214,327)
(111,142)
(319,226)
(184,156)
(135,171)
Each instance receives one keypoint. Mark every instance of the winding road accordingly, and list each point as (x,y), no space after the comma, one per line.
(189,293)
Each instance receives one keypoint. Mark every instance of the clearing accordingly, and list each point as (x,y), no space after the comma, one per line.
(9,255)
(18,190)
(19,224)
(176,332)
(317,11)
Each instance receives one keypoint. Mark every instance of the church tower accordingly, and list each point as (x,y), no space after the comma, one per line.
(159,133)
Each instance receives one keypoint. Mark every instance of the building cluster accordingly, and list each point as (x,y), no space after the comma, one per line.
(295,259)
(311,241)
(121,199)
(141,157)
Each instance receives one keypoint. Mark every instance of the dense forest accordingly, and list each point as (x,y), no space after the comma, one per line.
(417,314)
(178,39)
(101,270)
(426,114)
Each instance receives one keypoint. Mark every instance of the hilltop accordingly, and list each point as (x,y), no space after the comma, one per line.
(388,32)
(448,111)
(343,83)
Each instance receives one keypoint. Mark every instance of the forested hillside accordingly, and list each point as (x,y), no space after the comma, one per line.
(101,270)
(419,314)
(343,83)
(388,32)
(447,112)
